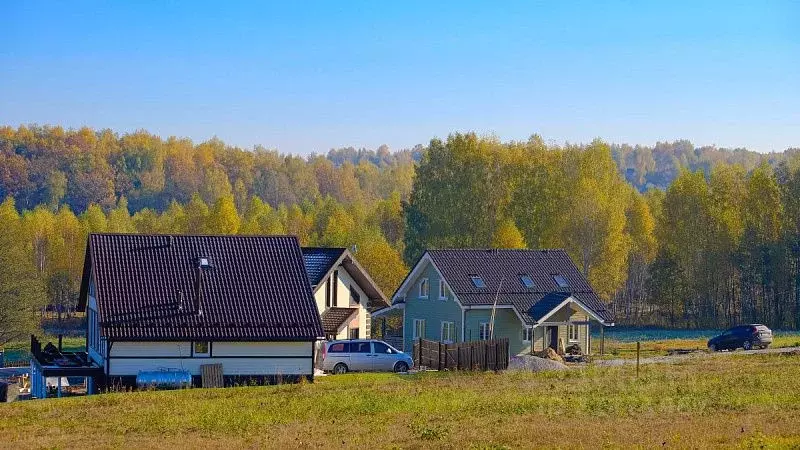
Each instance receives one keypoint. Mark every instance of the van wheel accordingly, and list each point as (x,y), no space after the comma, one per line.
(400,367)
(340,369)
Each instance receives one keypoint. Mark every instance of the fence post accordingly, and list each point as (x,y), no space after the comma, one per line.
(638,347)
(421,363)
(439,356)
(458,357)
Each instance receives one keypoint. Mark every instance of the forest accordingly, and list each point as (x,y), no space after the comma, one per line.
(669,235)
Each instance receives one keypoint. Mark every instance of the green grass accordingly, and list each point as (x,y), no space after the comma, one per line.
(619,349)
(710,402)
(20,350)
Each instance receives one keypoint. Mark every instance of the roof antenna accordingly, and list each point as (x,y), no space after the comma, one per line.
(198,286)
(494,309)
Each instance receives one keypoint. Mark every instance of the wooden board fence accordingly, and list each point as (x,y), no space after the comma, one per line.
(474,355)
(211,375)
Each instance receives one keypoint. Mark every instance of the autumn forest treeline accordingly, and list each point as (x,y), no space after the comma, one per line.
(669,235)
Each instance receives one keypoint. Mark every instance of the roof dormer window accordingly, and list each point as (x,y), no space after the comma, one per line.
(477,281)
(527,281)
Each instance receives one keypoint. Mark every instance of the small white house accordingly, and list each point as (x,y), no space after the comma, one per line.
(176,303)
(344,292)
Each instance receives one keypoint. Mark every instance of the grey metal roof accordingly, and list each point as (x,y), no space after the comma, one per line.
(501,265)
(147,287)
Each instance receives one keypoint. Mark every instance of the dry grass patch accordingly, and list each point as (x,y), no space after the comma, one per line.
(713,402)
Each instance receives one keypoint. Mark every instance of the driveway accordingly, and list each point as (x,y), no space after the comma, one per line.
(671,359)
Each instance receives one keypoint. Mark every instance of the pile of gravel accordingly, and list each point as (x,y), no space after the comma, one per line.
(534,364)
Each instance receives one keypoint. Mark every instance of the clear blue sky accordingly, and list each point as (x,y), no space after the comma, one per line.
(305,77)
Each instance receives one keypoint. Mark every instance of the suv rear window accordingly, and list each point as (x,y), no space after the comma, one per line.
(339,347)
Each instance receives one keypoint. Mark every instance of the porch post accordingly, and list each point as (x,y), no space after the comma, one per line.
(602,339)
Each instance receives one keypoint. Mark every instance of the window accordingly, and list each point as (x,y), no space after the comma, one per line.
(442,290)
(484,332)
(354,295)
(419,328)
(328,293)
(335,288)
(477,281)
(526,334)
(423,288)
(573,333)
(381,348)
(560,281)
(202,348)
(353,333)
(203,262)
(527,281)
(448,332)
(339,347)
(360,347)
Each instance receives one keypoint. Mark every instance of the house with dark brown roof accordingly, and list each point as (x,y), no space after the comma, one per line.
(177,303)
(539,299)
(344,292)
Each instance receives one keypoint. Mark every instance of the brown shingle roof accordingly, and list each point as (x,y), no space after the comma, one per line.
(255,289)
(334,318)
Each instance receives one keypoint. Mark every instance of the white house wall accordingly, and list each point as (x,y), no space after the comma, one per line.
(237,358)
(343,298)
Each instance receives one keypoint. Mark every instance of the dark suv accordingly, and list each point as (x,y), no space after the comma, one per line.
(743,336)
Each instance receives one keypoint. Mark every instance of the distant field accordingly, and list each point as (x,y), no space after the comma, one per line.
(19,351)
(735,401)
(621,342)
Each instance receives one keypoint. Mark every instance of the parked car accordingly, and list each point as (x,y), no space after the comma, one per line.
(742,336)
(363,355)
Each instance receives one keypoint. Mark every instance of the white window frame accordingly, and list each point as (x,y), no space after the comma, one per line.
(577,333)
(417,327)
(442,290)
(527,334)
(451,332)
(197,354)
(424,283)
(484,333)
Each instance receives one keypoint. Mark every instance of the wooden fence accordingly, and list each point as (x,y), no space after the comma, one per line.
(474,355)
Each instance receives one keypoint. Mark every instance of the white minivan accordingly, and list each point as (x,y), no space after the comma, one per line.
(363,355)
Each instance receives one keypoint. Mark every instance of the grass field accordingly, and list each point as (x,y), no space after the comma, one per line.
(19,351)
(623,344)
(740,400)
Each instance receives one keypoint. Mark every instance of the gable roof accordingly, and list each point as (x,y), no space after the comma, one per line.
(334,318)
(147,287)
(322,261)
(502,265)
(319,262)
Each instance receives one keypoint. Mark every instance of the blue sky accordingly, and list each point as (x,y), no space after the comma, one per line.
(305,77)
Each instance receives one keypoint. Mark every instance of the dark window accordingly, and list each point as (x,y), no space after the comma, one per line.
(527,281)
(477,281)
(380,347)
(359,347)
(560,281)
(339,347)
(353,333)
(354,297)
(328,293)
(335,288)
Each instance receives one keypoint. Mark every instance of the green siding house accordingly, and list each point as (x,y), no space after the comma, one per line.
(540,299)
